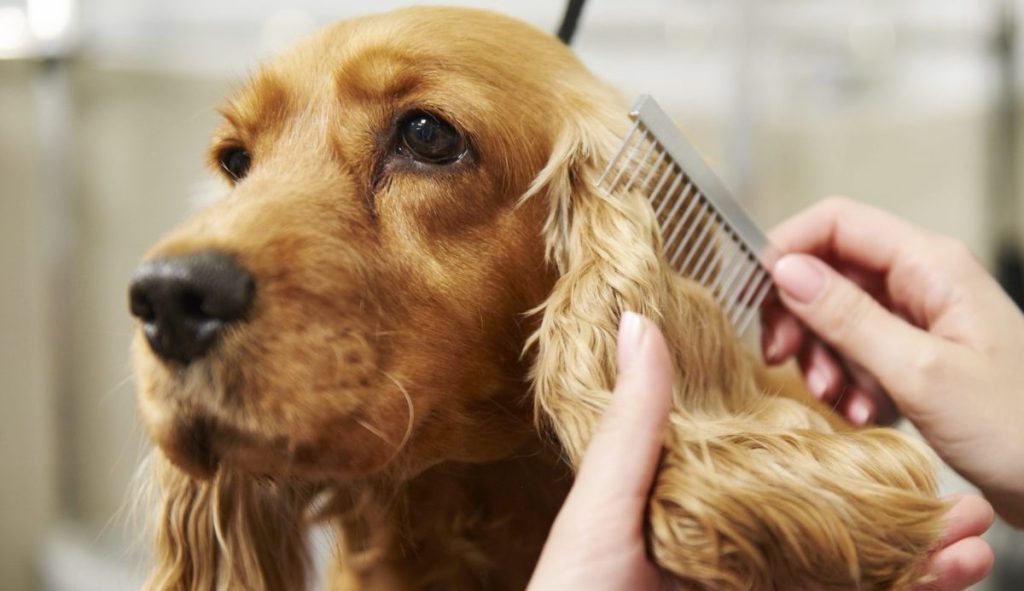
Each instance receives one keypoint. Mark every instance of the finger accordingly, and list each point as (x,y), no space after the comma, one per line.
(969,516)
(962,559)
(870,282)
(781,333)
(822,373)
(865,401)
(851,321)
(623,454)
(858,406)
(851,232)
(959,565)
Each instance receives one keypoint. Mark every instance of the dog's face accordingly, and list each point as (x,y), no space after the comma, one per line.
(357,300)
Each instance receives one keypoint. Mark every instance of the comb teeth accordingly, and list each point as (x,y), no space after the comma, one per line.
(706,235)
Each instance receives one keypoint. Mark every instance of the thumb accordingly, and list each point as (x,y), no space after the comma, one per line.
(850,320)
(623,454)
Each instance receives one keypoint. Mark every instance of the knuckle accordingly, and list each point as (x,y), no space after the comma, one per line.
(836,204)
(949,259)
(927,367)
(955,251)
(927,362)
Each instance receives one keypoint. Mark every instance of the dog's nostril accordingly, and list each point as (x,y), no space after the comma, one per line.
(140,306)
(185,302)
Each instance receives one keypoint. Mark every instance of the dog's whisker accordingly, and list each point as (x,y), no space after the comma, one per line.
(115,388)
(375,431)
(410,418)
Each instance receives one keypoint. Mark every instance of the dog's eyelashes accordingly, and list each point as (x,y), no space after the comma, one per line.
(235,161)
(430,139)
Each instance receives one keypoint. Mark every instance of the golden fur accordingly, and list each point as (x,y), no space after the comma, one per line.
(427,345)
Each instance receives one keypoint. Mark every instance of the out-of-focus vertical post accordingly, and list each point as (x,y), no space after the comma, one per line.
(43,34)
(52,91)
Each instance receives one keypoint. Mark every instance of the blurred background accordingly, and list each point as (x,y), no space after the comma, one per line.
(106,106)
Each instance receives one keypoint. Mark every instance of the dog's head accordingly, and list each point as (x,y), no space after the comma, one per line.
(358,298)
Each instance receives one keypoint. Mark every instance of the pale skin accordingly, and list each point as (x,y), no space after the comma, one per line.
(913,310)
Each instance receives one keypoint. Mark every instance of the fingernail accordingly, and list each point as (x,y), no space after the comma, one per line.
(631,333)
(800,277)
(858,413)
(817,384)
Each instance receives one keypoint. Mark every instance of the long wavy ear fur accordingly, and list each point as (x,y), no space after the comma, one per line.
(229,532)
(754,492)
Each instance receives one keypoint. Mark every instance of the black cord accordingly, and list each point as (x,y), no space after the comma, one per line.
(569,21)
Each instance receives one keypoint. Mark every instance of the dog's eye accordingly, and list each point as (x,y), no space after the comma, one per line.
(235,161)
(430,139)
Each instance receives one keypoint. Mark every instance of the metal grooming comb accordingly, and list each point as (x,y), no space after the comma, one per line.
(706,234)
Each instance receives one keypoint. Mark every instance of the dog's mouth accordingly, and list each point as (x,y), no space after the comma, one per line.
(328,413)
(202,445)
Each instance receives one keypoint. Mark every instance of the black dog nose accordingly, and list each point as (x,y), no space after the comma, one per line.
(185,302)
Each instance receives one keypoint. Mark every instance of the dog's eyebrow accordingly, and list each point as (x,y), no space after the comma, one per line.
(263,105)
(375,73)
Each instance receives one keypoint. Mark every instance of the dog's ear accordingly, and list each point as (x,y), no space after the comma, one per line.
(754,491)
(228,532)
(606,247)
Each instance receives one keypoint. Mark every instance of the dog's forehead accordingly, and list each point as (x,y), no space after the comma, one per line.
(385,55)
(459,62)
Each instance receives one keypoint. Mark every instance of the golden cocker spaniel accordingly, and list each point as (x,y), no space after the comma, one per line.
(401,322)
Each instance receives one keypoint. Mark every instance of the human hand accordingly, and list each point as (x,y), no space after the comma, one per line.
(597,541)
(919,313)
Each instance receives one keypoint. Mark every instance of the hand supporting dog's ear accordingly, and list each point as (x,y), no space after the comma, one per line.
(608,501)
(228,532)
(753,491)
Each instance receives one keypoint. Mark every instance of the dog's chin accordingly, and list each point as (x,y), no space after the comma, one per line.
(200,447)
(189,446)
